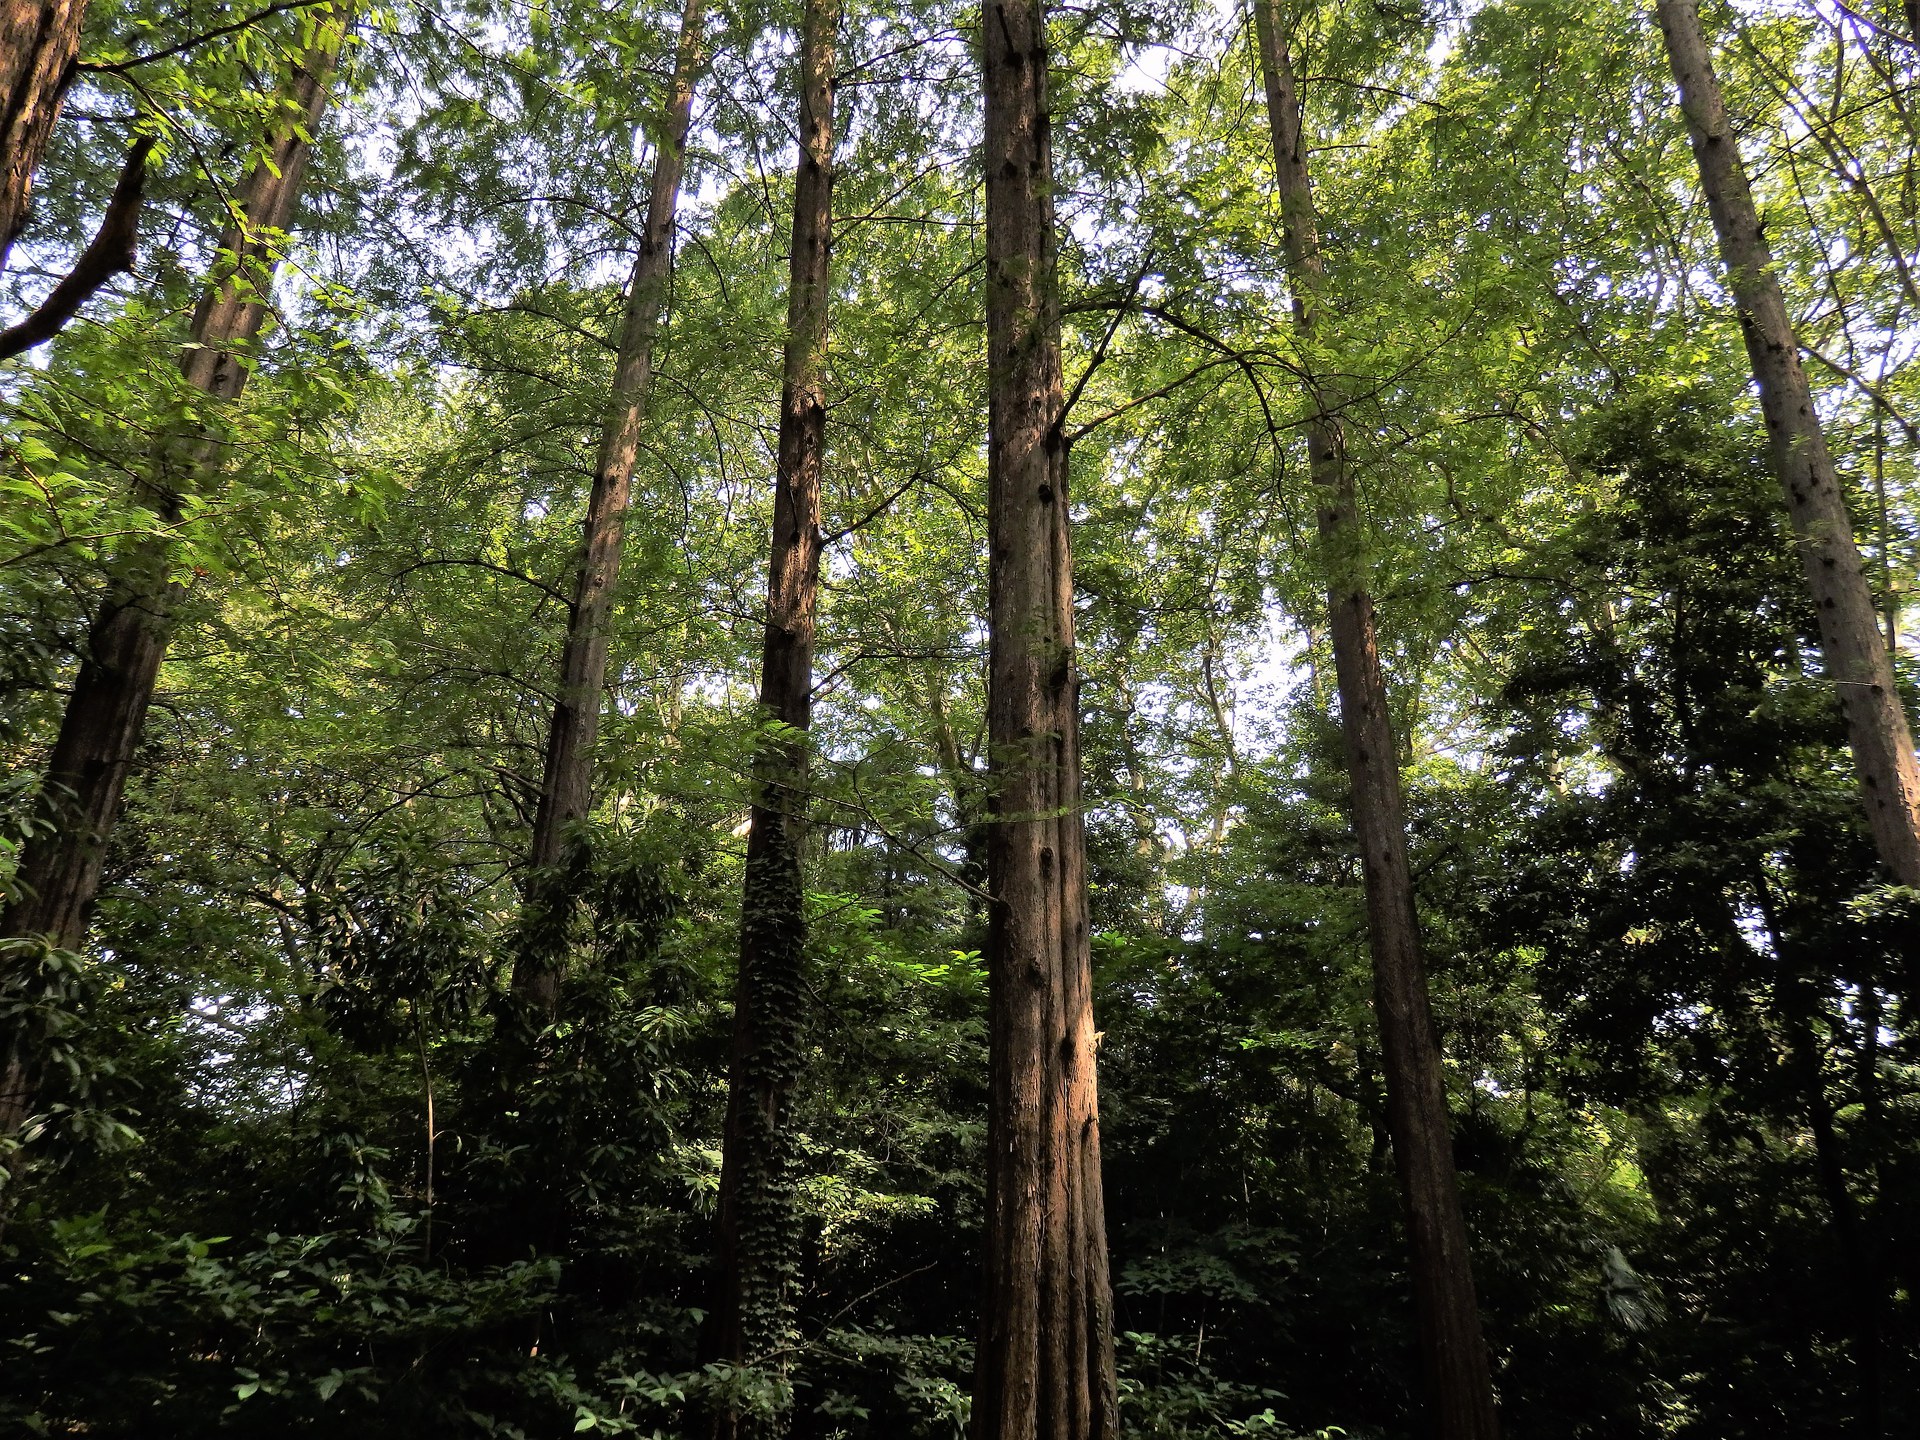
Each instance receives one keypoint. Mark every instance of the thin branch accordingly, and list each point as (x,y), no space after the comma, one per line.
(1871,391)
(1165,390)
(864,520)
(1100,351)
(1894,35)
(480,564)
(120,67)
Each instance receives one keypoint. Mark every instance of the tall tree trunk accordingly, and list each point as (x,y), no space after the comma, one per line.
(39,42)
(1453,1353)
(1851,645)
(566,779)
(1044,1367)
(106,713)
(758,1227)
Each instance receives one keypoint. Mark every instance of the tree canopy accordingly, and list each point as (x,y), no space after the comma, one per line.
(286,1146)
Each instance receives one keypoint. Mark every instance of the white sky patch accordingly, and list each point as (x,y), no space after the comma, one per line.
(1147,71)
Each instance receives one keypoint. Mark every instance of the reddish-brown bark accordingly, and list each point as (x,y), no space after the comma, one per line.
(39,42)
(1044,1367)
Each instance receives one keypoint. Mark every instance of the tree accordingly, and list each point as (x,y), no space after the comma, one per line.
(1044,1369)
(1697,938)
(298,1165)
(566,778)
(1460,1387)
(757,1225)
(1850,639)
(105,714)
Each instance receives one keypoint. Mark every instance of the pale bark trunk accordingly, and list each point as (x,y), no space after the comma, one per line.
(1044,1368)
(39,42)
(1852,648)
(100,730)
(1459,1385)
(566,780)
(758,1226)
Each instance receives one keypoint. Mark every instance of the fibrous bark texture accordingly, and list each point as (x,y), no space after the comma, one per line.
(39,42)
(1459,1388)
(106,712)
(566,778)
(1044,1366)
(1852,648)
(758,1234)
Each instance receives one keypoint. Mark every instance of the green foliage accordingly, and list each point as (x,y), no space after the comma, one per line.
(295,1163)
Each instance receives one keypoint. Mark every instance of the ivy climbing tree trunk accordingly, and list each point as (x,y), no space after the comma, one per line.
(566,777)
(758,1233)
(1851,645)
(1459,1385)
(1044,1366)
(39,43)
(106,712)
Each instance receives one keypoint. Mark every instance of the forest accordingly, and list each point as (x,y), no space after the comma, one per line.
(960,719)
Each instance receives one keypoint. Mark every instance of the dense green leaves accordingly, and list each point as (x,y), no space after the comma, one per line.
(297,1168)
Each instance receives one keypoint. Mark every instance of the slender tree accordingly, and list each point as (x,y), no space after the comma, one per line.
(566,779)
(1453,1353)
(1044,1366)
(1851,643)
(106,711)
(758,1230)
(39,42)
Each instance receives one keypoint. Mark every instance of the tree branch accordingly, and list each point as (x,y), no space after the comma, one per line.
(120,67)
(477,563)
(110,253)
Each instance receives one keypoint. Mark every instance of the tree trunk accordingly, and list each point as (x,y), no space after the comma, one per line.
(1044,1367)
(758,1227)
(100,731)
(39,42)
(1853,650)
(1453,1353)
(566,779)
